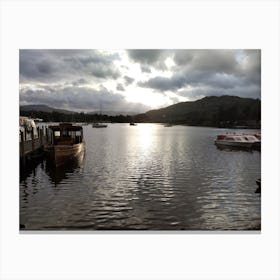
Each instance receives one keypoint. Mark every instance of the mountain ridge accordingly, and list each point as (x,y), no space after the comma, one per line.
(44,108)
(216,111)
(208,111)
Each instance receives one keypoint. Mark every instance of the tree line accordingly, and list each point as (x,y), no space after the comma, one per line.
(74,117)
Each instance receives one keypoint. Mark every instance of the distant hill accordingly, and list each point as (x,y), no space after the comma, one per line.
(222,111)
(113,113)
(44,108)
(49,114)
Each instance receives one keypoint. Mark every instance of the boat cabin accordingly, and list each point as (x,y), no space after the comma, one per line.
(66,134)
(237,137)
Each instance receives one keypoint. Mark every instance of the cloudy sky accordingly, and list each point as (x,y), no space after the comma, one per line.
(134,80)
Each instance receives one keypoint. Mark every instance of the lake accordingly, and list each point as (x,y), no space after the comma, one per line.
(145,177)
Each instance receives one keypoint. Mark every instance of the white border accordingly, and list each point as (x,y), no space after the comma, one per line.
(157,24)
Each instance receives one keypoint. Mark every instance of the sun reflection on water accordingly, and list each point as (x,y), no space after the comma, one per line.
(145,134)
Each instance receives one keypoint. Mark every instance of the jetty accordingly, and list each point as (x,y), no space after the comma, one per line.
(31,142)
(32,139)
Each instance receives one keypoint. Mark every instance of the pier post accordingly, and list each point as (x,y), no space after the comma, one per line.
(32,138)
(41,136)
(21,144)
(47,134)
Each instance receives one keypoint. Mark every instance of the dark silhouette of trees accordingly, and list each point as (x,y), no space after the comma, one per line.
(223,111)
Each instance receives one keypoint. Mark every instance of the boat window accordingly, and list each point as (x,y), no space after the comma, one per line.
(64,133)
(229,138)
(57,133)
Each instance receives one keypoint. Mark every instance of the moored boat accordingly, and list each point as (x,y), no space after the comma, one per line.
(237,141)
(98,125)
(66,143)
(28,126)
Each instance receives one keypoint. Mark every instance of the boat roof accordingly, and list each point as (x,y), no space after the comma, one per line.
(66,126)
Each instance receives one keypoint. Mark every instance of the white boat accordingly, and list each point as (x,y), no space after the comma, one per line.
(237,141)
(98,125)
(27,125)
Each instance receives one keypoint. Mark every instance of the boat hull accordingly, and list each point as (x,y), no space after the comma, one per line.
(99,125)
(257,146)
(235,144)
(61,154)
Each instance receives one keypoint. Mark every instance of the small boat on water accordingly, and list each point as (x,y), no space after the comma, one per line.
(99,125)
(168,125)
(132,123)
(238,141)
(66,143)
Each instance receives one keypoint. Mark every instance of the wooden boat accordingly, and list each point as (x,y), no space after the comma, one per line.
(66,143)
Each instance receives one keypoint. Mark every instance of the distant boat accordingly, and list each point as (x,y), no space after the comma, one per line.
(38,120)
(66,143)
(132,123)
(237,141)
(98,125)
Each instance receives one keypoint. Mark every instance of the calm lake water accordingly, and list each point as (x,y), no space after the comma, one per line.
(145,177)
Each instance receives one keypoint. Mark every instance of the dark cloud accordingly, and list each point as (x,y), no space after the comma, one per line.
(104,72)
(220,71)
(145,56)
(206,60)
(80,82)
(145,69)
(120,87)
(88,99)
(148,57)
(44,67)
(54,65)
(128,80)
(163,83)
(182,57)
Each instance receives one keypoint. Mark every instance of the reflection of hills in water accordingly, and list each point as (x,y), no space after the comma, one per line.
(59,173)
